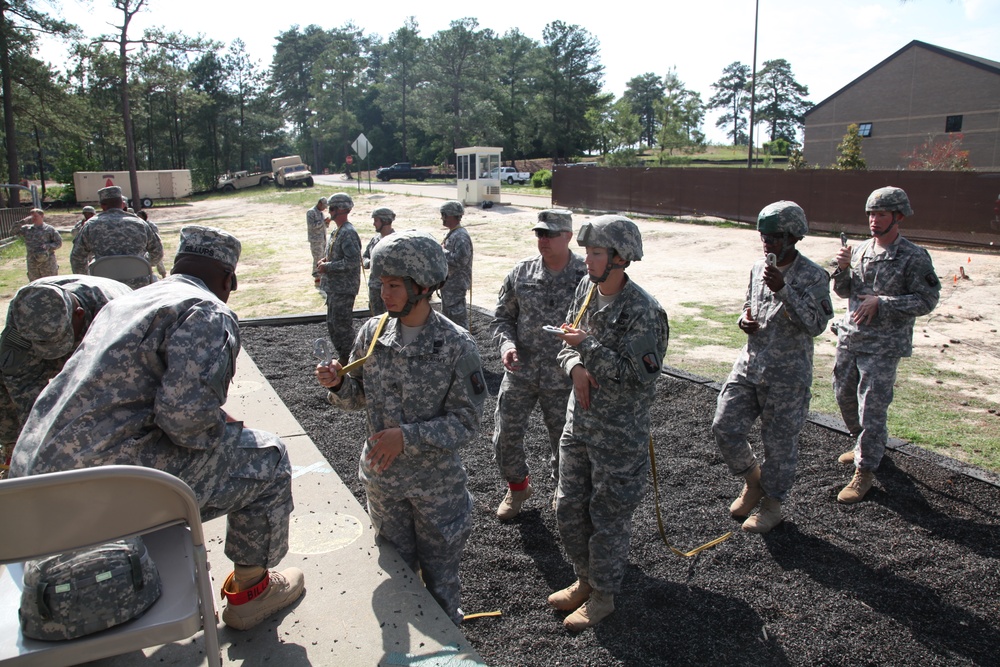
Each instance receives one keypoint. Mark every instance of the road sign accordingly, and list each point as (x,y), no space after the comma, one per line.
(361,146)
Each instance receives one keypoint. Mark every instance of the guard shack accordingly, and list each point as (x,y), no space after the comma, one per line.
(478,174)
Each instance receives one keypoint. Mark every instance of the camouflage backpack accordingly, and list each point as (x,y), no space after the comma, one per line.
(82,592)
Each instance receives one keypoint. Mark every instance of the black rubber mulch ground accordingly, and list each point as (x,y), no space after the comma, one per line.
(910,576)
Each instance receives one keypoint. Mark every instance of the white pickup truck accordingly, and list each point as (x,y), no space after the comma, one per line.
(509,175)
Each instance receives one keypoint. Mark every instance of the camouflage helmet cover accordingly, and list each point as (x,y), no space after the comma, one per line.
(340,200)
(411,254)
(889,199)
(612,231)
(384,214)
(783,216)
(453,209)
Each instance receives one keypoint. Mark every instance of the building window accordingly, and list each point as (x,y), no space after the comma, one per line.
(865,129)
(953,124)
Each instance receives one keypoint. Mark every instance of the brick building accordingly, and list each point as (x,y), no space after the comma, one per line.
(922,91)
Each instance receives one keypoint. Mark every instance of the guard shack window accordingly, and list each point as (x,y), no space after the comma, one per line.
(865,129)
(953,124)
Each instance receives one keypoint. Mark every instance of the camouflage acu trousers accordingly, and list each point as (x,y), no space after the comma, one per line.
(515,403)
(599,489)
(340,322)
(430,533)
(317,245)
(782,410)
(40,266)
(863,385)
(453,306)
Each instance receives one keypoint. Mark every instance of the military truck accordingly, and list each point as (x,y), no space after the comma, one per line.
(242,179)
(290,171)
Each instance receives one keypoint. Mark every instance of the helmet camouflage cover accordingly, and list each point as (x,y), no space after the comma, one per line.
(615,232)
(340,200)
(411,254)
(453,209)
(384,214)
(889,199)
(783,216)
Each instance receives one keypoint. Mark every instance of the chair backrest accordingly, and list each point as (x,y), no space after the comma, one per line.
(62,511)
(121,267)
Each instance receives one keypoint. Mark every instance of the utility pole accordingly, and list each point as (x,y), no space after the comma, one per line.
(753,86)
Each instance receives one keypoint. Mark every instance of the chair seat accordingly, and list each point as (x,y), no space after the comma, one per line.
(121,267)
(176,613)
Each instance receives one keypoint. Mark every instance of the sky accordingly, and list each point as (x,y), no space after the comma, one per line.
(828,44)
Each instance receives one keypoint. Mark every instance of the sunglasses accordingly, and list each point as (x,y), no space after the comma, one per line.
(547,234)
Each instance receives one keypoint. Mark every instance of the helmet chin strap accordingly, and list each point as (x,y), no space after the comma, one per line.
(780,260)
(412,299)
(887,229)
(607,269)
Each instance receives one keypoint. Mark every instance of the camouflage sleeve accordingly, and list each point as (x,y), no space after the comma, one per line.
(366,256)
(350,395)
(636,357)
(843,278)
(923,289)
(505,315)
(350,254)
(808,303)
(200,358)
(154,246)
(55,240)
(24,374)
(461,414)
(79,256)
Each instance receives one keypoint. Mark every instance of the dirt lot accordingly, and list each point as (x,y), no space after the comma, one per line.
(907,577)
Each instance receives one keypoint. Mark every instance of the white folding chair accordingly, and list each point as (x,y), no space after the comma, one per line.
(58,512)
(121,267)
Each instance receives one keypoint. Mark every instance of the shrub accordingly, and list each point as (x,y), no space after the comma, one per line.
(541,179)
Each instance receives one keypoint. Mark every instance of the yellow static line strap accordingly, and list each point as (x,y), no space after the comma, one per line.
(659,519)
(583,309)
(482,614)
(358,363)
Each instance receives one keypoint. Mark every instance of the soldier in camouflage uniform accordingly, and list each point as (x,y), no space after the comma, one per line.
(116,232)
(317,222)
(341,271)
(533,294)
(889,282)
(46,320)
(458,249)
(382,218)
(614,360)
(41,240)
(146,387)
(87,212)
(423,389)
(787,305)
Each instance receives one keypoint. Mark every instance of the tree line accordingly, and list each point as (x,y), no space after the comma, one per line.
(169,101)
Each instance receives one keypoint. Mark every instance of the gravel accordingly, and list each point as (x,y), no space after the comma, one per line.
(907,577)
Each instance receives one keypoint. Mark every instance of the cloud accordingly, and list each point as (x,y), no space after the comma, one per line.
(867,17)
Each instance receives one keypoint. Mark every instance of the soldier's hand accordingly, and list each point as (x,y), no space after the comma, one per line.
(328,375)
(582,382)
(844,257)
(321,265)
(747,323)
(573,337)
(386,446)
(773,278)
(867,311)
(511,360)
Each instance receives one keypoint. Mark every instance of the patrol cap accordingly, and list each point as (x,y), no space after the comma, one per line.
(88,209)
(110,192)
(411,254)
(889,199)
(210,242)
(340,200)
(453,209)
(612,231)
(555,220)
(783,216)
(43,315)
(385,214)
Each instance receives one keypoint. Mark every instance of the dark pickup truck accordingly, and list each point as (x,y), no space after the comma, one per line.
(402,170)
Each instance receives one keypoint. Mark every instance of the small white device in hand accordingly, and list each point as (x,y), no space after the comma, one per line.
(548,328)
(771,260)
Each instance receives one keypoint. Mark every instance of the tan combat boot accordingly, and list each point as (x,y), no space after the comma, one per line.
(766,518)
(856,489)
(570,598)
(246,607)
(510,506)
(846,457)
(751,495)
(596,609)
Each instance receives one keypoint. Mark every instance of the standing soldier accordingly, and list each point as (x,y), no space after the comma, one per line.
(116,232)
(41,240)
(458,250)
(889,282)
(533,294)
(787,305)
(614,360)
(382,218)
(423,389)
(87,212)
(341,271)
(317,222)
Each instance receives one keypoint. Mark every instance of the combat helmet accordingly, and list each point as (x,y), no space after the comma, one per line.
(384,214)
(453,209)
(616,233)
(889,199)
(414,256)
(783,217)
(340,200)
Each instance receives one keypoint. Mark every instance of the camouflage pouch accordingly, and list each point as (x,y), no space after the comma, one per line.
(82,592)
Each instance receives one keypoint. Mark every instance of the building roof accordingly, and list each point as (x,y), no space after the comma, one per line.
(975,61)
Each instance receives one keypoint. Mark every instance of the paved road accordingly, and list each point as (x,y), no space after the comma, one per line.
(432,190)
